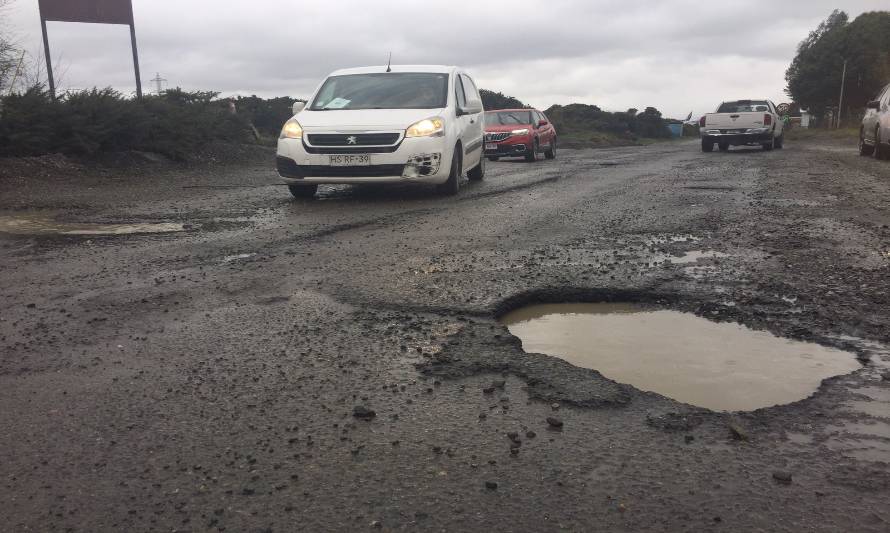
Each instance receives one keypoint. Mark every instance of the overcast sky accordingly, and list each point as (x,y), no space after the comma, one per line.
(676,55)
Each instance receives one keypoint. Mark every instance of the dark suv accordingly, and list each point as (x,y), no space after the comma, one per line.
(519,133)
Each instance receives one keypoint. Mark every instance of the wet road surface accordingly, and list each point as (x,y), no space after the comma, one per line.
(337,364)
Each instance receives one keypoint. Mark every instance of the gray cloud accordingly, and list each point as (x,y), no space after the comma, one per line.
(679,55)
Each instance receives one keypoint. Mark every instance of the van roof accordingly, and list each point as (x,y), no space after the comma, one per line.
(442,69)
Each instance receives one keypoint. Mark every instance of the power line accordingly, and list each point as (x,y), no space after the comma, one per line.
(159,81)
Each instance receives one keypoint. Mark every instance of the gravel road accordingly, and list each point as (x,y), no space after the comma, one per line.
(337,364)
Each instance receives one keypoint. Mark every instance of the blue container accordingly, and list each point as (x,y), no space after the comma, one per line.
(676,130)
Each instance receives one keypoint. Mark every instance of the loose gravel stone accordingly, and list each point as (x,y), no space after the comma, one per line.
(554,422)
(782,477)
(364,413)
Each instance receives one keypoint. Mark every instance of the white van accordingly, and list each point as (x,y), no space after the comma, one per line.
(395,124)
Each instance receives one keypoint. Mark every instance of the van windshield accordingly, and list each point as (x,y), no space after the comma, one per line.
(393,90)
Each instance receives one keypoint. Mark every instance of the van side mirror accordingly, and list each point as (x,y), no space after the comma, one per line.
(471,108)
(298,106)
(542,123)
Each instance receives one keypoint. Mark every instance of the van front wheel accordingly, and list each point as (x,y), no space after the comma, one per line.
(452,184)
(478,172)
(303,191)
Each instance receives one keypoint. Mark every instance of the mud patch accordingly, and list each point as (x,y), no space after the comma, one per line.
(866,441)
(719,366)
(39,225)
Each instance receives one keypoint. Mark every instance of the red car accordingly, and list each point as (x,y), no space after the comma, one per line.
(519,133)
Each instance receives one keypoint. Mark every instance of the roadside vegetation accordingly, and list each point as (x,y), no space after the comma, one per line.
(850,134)
(814,77)
(177,123)
(588,125)
(174,124)
(497,100)
(583,125)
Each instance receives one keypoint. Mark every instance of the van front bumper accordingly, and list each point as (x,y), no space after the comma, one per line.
(418,160)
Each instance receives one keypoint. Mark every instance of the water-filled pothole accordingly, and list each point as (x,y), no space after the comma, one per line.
(720,366)
(40,225)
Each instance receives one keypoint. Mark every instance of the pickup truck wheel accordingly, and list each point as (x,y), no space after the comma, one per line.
(723,146)
(478,172)
(550,153)
(303,191)
(864,149)
(532,155)
(769,146)
(707,145)
(780,141)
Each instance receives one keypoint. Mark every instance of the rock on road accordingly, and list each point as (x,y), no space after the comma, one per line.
(336,364)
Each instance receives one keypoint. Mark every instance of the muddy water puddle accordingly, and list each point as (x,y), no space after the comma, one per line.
(720,366)
(42,225)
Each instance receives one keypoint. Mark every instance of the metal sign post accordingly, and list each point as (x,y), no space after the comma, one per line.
(135,60)
(49,61)
(91,11)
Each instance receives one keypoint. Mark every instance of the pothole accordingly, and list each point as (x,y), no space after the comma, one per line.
(691,257)
(38,225)
(719,366)
(238,257)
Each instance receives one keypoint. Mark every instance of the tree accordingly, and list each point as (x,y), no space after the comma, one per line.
(266,115)
(492,100)
(9,53)
(814,76)
(650,124)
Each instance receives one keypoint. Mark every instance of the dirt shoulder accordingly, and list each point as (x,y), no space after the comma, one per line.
(122,179)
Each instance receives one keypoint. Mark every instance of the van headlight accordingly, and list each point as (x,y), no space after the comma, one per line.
(523,131)
(428,127)
(291,130)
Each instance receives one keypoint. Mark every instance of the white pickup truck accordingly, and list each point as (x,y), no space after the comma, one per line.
(742,123)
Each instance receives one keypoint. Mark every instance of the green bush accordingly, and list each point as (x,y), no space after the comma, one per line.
(582,120)
(102,120)
(496,100)
(267,115)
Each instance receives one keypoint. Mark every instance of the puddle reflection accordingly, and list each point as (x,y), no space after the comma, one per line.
(39,225)
(720,366)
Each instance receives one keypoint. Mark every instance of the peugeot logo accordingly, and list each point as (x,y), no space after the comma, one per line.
(351,139)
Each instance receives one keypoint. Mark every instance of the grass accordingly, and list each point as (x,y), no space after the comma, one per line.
(803,134)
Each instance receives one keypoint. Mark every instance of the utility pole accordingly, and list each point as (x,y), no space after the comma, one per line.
(840,104)
(49,61)
(159,81)
(17,73)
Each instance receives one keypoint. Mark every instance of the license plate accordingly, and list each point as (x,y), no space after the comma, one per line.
(491,146)
(350,160)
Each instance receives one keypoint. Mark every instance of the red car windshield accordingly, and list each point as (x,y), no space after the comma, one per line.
(508,118)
